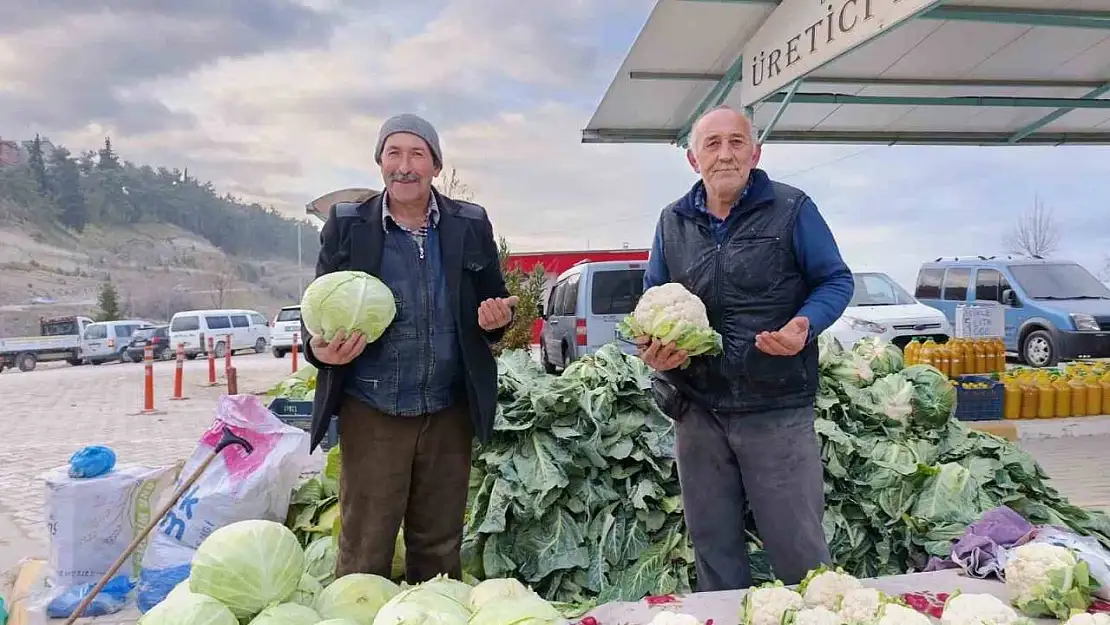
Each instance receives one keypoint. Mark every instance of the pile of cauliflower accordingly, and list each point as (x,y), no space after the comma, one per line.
(671,314)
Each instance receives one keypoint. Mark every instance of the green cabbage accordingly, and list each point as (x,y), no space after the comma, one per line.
(182,607)
(357,596)
(528,609)
(655,317)
(338,621)
(492,589)
(934,398)
(320,559)
(883,356)
(307,590)
(425,603)
(349,301)
(828,349)
(890,397)
(248,566)
(459,591)
(850,369)
(287,614)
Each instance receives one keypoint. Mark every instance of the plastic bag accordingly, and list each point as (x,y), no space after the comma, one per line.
(1086,548)
(235,487)
(90,521)
(111,599)
(91,461)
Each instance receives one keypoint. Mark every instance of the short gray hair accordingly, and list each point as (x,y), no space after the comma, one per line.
(692,140)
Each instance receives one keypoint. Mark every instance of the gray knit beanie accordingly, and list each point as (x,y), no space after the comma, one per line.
(414,125)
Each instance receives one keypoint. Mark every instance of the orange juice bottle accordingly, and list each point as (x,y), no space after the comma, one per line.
(941,359)
(1029,399)
(909,355)
(999,354)
(1104,382)
(968,348)
(1046,398)
(956,359)
(925,356)
(1011,399)
(1063,397)
(1094,395)
(980,356)
(1078,397)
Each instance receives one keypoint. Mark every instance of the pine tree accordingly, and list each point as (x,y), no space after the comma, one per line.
(108,302)
(37,163)
(65,186)
(106,157)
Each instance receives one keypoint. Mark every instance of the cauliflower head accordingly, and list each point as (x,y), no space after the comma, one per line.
(818,615)
(769,604)
(1084,618)
(667,617)
(979,609)
(672,314)
(894,614)
(825,587)
(1046,580)
(862,605)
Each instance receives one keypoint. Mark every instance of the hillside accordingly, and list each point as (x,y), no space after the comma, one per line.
(165,240)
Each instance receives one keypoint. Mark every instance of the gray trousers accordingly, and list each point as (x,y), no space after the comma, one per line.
(770,459)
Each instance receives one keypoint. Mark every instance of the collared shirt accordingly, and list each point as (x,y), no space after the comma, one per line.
(420,235)
(717,225)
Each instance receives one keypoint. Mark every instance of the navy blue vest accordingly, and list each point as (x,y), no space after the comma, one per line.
(414,368)
(750,282)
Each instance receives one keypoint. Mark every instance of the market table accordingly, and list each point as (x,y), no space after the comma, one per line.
(724,607)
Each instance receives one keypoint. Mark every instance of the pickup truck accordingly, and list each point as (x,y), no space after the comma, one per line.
(60,340)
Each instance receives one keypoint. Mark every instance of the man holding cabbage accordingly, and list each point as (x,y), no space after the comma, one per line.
(410,401)
(766,266)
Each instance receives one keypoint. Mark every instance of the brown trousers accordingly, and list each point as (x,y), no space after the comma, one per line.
(415,469)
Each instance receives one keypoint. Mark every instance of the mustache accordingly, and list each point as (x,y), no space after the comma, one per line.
(400,177)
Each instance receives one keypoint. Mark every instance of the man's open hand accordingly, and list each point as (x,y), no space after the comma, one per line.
(496,313)
(660,356)
(340,350)
(785,342)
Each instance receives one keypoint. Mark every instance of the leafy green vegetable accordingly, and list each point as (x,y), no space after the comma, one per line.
(356,596)
(576,494)
(934,399)
(349,301)
(248,566)
(287,614)
(188,608)
(299,386)
(671,314)
(882,356)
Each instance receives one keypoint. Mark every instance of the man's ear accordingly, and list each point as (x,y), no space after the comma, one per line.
(756,154)
(692,160)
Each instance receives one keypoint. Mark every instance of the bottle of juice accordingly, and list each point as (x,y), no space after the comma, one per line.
(909,355)
(999,354)
(941,359)
(1029,400)
(980,356)
(925,356)
(956,366)
(1046,398)
(1063,397)
(1094,394)
(1104,382)
(1078,397)
(1011,398)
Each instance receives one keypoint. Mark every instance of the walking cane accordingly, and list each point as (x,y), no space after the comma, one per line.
(228,439)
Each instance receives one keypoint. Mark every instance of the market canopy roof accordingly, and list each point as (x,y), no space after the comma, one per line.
(321,206)
(868,71)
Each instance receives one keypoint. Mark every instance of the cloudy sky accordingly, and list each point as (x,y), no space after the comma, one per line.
(280,101)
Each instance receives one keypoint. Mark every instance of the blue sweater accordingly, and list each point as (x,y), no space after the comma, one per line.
(830,281)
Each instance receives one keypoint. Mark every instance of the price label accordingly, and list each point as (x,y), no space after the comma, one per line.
(980,321)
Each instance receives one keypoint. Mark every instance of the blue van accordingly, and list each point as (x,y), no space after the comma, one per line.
(1055,309)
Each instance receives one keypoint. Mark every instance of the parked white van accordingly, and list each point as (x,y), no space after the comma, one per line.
(286,323)
(248,330)
(881,307)
(107,341)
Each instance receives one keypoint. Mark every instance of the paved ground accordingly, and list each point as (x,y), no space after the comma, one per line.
(1079,467)
(49,413)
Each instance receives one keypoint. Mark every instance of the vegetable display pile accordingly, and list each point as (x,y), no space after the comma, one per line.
(577,493)
(253,573)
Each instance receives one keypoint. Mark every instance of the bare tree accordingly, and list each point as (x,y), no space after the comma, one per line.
(1036,233)
(451,185)
(221,286)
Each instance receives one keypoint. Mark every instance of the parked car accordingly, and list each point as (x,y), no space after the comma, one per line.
(107,341)
(286,323)
(247,328)
(158,337)
(1054,309)
(881,307)
(59,339)
(584,307)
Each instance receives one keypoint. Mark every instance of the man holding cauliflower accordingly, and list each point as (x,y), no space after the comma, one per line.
(410,401)
(763,267)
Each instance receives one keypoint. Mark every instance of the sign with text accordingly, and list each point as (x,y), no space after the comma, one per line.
(802,35)
(980,321)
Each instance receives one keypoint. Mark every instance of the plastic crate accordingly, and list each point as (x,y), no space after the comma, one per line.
(298,414)
(978,404)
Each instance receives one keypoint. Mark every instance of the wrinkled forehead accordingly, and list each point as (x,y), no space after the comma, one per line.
(723,123)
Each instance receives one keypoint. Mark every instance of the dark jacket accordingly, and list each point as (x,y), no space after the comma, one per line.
(750,282)
(351,240)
